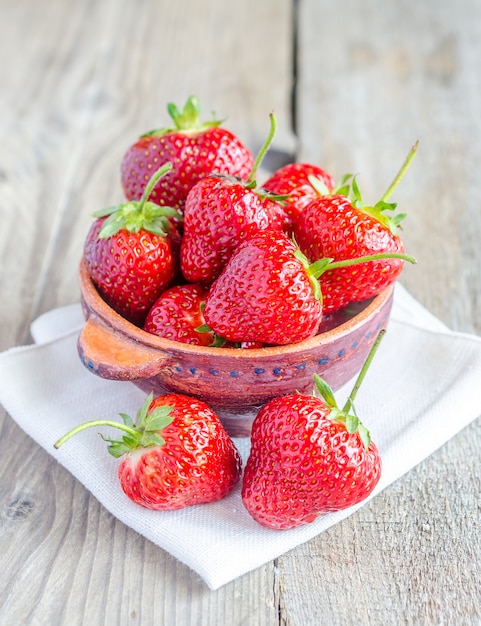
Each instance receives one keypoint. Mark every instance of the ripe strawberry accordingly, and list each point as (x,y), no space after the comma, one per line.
(293,180)
(195,150)
(130,253)
(176,454)
(269,293)
(308,458)
(219,213)
(265,293)
(339,227)
(177,314)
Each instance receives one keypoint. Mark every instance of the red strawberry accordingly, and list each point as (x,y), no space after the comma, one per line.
(130,255)
(195,150)
(177,453)
(269,293)
(178,313)
(308,458)
(341,228)
(219,213)
(293,180)
(265,293)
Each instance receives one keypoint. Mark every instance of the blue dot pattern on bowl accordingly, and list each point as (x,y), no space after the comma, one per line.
(277,371)
(89,365)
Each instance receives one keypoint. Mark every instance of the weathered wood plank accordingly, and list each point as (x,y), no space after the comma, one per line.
(374,77)
(91,79)
(88,78)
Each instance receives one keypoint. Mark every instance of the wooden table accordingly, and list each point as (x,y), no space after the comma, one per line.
(353,85)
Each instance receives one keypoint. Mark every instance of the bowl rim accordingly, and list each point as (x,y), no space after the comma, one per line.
(98,306)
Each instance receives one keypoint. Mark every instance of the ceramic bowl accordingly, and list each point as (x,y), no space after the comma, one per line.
(233,382)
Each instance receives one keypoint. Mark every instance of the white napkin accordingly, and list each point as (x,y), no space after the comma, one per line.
(422,388)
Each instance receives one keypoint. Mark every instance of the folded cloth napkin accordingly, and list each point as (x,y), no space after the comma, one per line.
(422,388)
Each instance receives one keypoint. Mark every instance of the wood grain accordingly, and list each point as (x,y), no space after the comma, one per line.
(353,85)
(371,82)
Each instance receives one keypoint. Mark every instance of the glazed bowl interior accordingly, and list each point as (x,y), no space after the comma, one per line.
(234,382)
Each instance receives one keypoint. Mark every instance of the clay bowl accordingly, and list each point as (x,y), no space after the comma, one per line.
(233,382)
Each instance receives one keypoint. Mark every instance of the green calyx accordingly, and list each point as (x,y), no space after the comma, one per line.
(136,215)
(348,187)
(347,415)
(218,341)
(142,433)
(382,211)
(187,119)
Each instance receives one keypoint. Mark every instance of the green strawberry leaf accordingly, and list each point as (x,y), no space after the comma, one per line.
(364,434)
(107,211)
(343,187)
(325,391)
(336,415)
(142,412)
(140,435)
(131,442)
(116,448)
(203,328)
(187,119)
(352,192)
(319,185)
(219,342)
(264,194)
(144,214)
(112,225)
(174,112)
(128,216)
(151,439)
(158,419)
(128,421)
(355,192)
(352,423)
(154,211)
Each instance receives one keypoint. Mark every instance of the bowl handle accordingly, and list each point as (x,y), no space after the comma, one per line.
(112,355)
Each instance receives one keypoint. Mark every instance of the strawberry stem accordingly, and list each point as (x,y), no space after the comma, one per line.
(402,171)
(263,150)
(362,373)
(322,265)
(91,424)
(151,184)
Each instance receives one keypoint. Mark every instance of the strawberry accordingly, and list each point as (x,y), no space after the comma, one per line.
(265,293)
(294,181)
(269,293)
(339,227)
(177,453)
(130,253)
(177,315)
(308,457)
(219,213)
(195,150)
